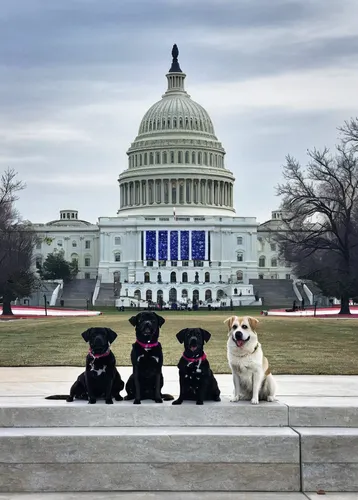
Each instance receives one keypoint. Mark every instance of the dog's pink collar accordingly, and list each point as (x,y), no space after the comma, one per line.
(193,360)
(147,346)
(95,356)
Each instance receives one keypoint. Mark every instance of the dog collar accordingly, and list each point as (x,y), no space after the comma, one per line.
(95,356)
(147,346)
(194,360)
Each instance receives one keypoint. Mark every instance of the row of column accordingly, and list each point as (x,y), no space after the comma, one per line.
(176,157)
(176,192)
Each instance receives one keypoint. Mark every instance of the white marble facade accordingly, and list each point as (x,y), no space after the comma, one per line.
(175,216)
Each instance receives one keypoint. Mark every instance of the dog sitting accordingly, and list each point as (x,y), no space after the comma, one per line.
(197,381)
(147,380)
(250,369)
(101,378)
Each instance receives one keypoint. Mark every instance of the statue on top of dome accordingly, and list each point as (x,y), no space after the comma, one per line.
(175,68)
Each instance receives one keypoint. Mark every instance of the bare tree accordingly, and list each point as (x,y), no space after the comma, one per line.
(17,241)
(319,234)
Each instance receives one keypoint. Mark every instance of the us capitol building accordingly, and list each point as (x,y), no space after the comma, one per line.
(176,236)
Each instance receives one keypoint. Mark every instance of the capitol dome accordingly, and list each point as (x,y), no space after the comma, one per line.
(176,158)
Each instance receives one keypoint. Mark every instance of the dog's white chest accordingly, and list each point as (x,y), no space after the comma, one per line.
(99,371)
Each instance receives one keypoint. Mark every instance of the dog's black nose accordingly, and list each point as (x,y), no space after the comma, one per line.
(238,335)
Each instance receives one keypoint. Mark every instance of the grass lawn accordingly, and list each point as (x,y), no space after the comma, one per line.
(293,345)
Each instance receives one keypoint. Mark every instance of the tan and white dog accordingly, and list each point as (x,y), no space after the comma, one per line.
(250,369)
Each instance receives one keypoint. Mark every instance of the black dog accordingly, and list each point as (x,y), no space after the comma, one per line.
(147,380)
(101,377)
(197,381)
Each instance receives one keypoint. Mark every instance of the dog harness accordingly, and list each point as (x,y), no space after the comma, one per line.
(147,346)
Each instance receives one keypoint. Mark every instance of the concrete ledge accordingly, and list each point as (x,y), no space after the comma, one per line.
(44,413)
(330,477)
(324,412)
(329,445)
(149,477)
(207,495)
(146,445)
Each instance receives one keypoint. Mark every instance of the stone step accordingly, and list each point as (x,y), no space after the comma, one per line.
(329,458)
(149,459)
(49,413)
(159,496)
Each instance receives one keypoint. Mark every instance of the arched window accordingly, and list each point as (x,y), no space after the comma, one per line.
(211,159)
(184,294)
(157,158)
(195,296)
(146,277)
(205,158)
(207,277)
(174,122)
(180,157)
(208,296)
(74,244)
(117,257)
(173,295)
(219,294)
(239,275)
(193,161)
(145,158)
(180,122)
(199,158)
(140,160)
(274,262)
(148,295)
(186,156)
(184,278)
(173,277)
(235,291)
(137,295)
(240,256)
(165,157)
(159,296)
(74,256)
(171,156)
(262,261)
(151,158)
(164,122)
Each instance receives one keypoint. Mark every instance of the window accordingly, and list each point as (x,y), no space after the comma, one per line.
(235,291)
(117,240)
(273,247)
(74,244)
(117,257)
(199,161)
(239,240)
(262,261)
(274,262)
(186,156)
(172,157)
(239,275)
(180,157)
(148,295)
(87,262)
(165,157)
(207,277)
(160,297)
(208,295)
(162,263)
(137,294)
(185,263)
(74,256)
(219,294)
(198,263)
(151,158)
(174,263)
(87,276)
(184,278)
(288,276)
(184,294)
(149,263)
(87,245)
(193,158)
(240,256)
(146,277)
(60,243)
(157,158)
(195,296)
(173,277)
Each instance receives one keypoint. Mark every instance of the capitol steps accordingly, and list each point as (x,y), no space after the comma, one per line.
(53,446)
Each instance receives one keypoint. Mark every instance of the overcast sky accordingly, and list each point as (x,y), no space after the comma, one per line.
(77,76)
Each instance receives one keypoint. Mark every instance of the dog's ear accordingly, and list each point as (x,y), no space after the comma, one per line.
(111,335)
(229,322)
(181,335)
(86,335)
(206,335)
(253,322)
(133,320)
(161,320)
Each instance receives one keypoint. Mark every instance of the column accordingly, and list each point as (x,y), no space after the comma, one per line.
(162,191)
(147,192)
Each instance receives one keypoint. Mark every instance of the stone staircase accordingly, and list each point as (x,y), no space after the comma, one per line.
(106,295)
(76,293)
(275,293)
(53,446)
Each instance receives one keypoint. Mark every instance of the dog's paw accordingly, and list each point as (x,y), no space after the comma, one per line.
(200,403)
(177,402)
(167,397)
(158,400)
(118,397)
(254,401)
(235,399)
(69,399)
(217,398)
(92,401)
(137,402)
(109,401)
(271,399)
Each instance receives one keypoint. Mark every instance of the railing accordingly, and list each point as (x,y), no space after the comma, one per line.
(296,290)
(308,293)
(56,293)
(96,289)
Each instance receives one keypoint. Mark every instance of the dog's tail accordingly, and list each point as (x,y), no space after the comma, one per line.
(58,397)
(167,397)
